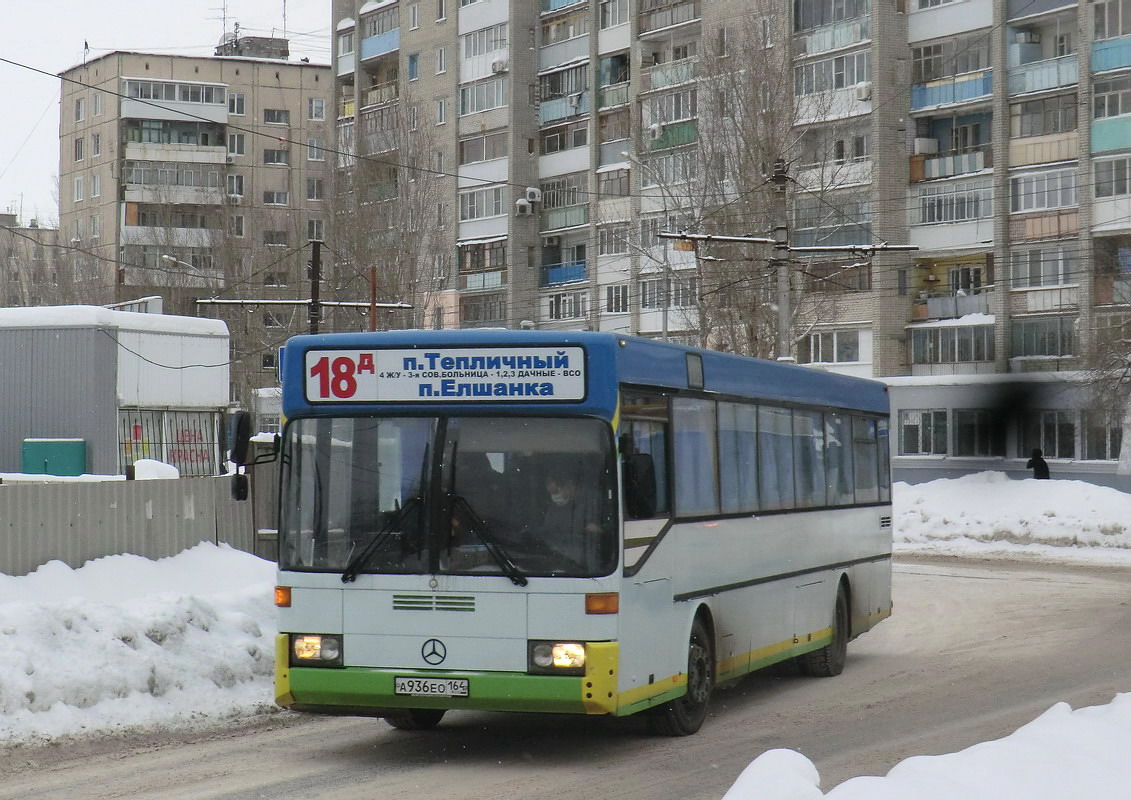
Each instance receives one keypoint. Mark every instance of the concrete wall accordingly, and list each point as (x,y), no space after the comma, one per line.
(77,522)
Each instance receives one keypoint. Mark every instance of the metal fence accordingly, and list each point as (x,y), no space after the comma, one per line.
(77,522)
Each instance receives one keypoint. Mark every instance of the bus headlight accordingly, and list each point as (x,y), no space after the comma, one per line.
(316,650)
(557,658)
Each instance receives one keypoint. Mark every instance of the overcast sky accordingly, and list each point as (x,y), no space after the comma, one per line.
(49,35)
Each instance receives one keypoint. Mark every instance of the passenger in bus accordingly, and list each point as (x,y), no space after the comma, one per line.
(572,520)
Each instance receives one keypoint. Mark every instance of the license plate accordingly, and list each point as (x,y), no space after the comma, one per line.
(431,687)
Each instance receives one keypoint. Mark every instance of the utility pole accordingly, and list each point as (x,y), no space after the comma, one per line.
(780,179)
(314,311)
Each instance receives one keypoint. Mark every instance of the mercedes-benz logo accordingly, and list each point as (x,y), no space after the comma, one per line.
(434,652)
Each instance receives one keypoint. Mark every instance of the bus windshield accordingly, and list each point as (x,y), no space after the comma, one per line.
(513,496)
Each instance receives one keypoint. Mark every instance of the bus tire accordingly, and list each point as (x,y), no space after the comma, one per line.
(829,660)
(685,715)
(415,719)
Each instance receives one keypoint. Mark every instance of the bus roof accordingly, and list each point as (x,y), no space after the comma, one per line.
(635,360)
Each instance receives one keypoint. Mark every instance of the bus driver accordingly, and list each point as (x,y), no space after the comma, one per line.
(572,521)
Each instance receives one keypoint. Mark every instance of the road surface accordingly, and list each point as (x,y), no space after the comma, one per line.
(974,650)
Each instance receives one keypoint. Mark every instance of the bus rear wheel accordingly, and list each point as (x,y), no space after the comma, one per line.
(415,719)
(829,660)
(685,715)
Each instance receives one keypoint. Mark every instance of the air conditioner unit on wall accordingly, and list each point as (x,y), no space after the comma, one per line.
(522,207)
(533,194)
(574,100)
(499,65)
(926,147)
(864,91)
(655,131)
(551,241)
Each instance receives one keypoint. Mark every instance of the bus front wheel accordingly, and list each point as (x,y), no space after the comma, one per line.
(684,716)
(415,719)
(829,660)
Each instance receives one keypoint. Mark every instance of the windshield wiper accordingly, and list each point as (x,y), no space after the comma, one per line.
(483,531)
(378,540)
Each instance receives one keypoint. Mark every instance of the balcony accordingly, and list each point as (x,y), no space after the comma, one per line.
(834,36)
(675,134)
(953,90)
(381,44)
(573,105)
(951,305)
(568,217)
(670,74)
(565,272)
(574,49)
(346,108)
(380,94)
(1043,149)
(557,5)
(1037,76)
(483,280)
(925,168)
(609,96)
(1111,133)
(1113,290)
(1111,54)
(669,15)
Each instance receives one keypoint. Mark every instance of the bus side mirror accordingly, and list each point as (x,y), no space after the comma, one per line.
(239,438)
(239,486)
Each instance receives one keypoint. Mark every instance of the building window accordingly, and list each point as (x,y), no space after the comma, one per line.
(484,147)
(315,108)
(1044,336)
(483,256)
(960,201)
(922,432)
(1037,191)
(976,433)
(267,362)
(441,111)
(829,347)
(97,103)
(441,60)
(96,185)
(315,230)
(95,226)
(315,189)
(79,189)
(568,305)
(78,148)
(80,109)
(483,96)
(236,103)
(271,319)
(565,191)
(613,183)
(1113,19)
(235,185)
(612,240)
(441,10)
(1054,432)
(832,73)
(1103,436)
(236,225)
(275,238)
(565,137)
(481,203)
(1047,266)
(616,299)
(810,14)
(1041,117)
(345,43)
(613,13)
(274,198)
(236,144)
(315,150)
(276,116)
(276,157)
(413,66)
(952,344)
(1111,177)
(485,41)
(483,308)
(96,144)
(414,16)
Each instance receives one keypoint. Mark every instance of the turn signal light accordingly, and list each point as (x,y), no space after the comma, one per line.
(602,603)
(283,596)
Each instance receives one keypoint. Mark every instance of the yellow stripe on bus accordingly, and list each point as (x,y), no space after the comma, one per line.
(283,696)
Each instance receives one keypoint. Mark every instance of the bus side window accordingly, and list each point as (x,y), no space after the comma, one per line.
(644,470)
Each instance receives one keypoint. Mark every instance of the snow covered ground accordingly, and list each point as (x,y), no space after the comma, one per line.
(125,643)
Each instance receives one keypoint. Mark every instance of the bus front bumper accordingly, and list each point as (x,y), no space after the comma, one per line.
(365,691)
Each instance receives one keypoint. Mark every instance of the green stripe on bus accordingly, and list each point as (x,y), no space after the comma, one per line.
(360,688)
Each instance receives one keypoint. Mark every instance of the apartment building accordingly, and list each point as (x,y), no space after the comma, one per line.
(562,137)
(32,273)
(196,179)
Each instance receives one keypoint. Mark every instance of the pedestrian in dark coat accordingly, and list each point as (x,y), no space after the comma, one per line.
(1039,466)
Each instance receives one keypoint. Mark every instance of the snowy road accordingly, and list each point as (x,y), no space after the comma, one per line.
(975,649)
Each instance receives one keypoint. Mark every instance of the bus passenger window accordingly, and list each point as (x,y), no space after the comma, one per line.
(644,469)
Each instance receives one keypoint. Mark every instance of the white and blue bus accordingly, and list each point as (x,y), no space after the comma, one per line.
(568,522)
